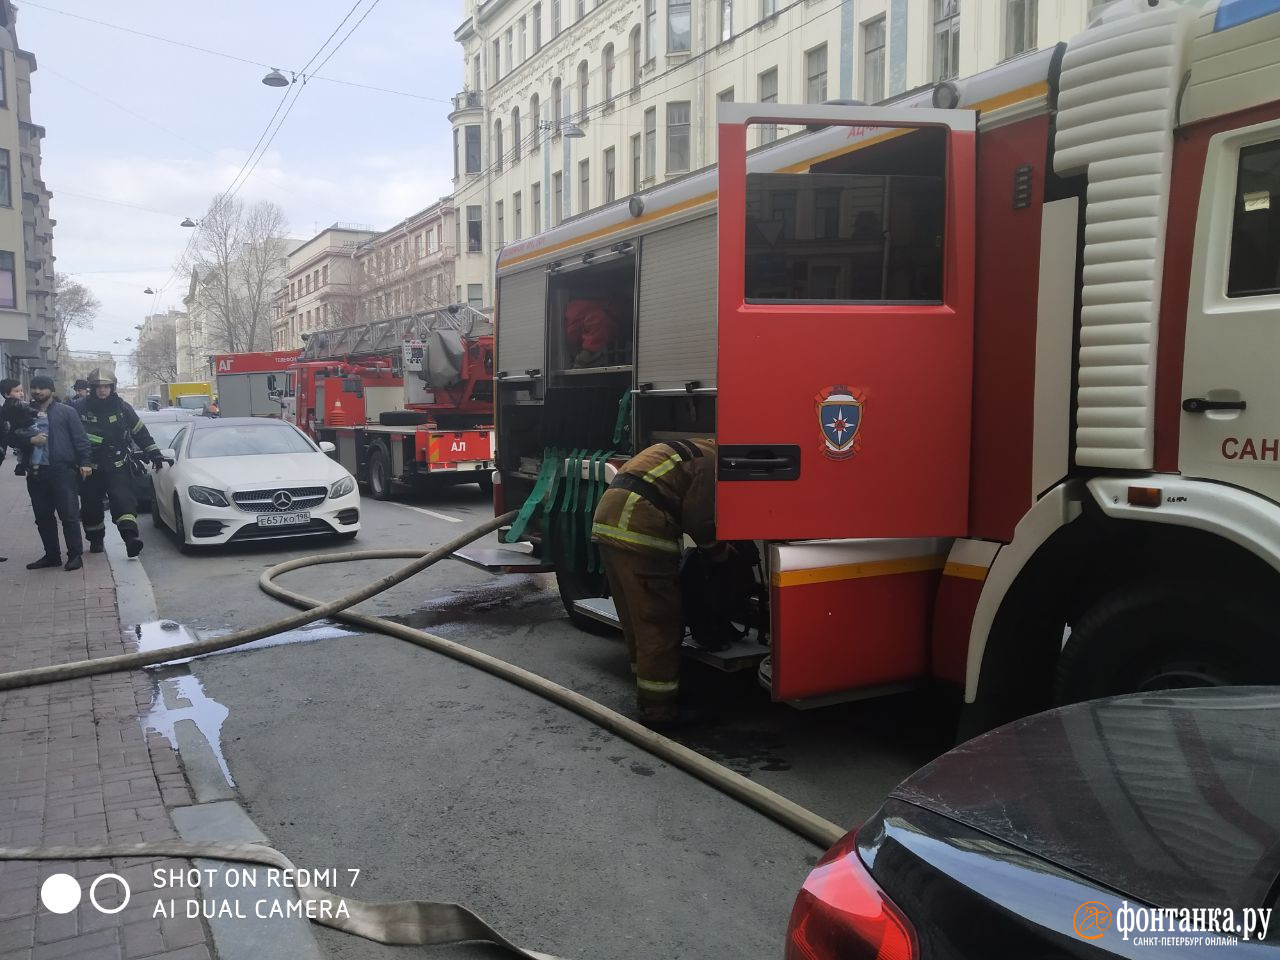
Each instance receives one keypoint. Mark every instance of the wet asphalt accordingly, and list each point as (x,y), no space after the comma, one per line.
(439,782)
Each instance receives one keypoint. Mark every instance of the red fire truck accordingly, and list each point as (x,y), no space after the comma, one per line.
(406,400)
(991,368)
(248,384)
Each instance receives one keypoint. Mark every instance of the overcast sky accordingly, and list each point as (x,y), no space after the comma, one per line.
(156,126)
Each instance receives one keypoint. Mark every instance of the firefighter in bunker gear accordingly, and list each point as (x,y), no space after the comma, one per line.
(661,494)
(112,425)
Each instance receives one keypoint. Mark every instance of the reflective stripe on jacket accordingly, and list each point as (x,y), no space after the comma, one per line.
(662,493)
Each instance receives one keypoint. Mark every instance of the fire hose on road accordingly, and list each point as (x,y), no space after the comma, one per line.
(403,922)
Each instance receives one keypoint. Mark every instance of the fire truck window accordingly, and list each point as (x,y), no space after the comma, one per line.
(1255,231)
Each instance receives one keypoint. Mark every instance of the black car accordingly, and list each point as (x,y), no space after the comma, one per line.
(163,425)
(1123,827)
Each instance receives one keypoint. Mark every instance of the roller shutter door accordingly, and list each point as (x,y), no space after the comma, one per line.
(677,330)
(521,325)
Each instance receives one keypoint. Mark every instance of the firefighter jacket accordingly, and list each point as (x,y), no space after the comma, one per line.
(661,494)
(112,425)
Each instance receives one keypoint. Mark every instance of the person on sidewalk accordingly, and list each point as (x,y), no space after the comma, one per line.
(58,448)
(15,415)
(81,389)
(112,425)
(659,495)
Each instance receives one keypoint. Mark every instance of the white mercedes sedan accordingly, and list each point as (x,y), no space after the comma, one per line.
(251,478)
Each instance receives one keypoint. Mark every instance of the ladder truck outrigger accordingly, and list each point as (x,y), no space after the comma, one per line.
(405,400)
(991,367)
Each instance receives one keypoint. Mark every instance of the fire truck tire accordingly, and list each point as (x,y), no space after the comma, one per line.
(379,468)
(575,585)
(1169,635)
(486,484)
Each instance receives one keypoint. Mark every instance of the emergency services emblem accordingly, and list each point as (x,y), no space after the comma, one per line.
(840,418)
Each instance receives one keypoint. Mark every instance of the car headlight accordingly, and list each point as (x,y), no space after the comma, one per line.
(342,488)
(208,496)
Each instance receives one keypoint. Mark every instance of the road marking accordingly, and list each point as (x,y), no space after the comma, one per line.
(429,513)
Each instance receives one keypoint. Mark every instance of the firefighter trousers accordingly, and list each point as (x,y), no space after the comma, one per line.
(646,593)
(115,485)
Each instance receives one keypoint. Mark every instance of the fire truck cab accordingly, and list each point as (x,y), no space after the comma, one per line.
(990,367)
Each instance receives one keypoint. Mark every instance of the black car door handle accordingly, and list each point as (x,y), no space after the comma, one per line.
(1200,405)
(749,462)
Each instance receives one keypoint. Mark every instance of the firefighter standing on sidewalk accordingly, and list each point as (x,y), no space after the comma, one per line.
(659,495)
(112,425)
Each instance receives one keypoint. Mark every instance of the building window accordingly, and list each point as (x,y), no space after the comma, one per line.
(610,177)
(522,41)
(650,29)
(555,18)
(582,9)
(6,180)
(474,244)
(637,64)
(946,39)
(497,59)
(636,175)
(677,26)
(517,231)
(499,226)
(324,274)
(8,282)
(557,198)
(584,90)
(537,27)
(473,148)
(873,60)
(475,296)
(768,85)
(815,63)
(515,133)
(678,137)
(650,141)
(725,96)
(475,73)
(497,144)
(768,8)
(1254,267)
(608,72)
(557,105)
(726,20)
(1020,22)
(507,62)
(457,140)
(584,186)
(535,208)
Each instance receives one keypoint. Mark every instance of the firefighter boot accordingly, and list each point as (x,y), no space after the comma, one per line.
(95,544)
(132,543)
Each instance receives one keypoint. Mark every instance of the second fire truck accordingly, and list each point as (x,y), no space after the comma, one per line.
(991,369)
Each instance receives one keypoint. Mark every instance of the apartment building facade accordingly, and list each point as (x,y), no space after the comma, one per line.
(27,326)
(321,288)
(408,268)
(571,104)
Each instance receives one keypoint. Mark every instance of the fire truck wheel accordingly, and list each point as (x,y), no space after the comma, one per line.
(379,472)
(486,485)
(578,585)
(1168,636)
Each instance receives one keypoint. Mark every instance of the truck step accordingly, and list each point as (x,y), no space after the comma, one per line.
(738,656)
(500,560)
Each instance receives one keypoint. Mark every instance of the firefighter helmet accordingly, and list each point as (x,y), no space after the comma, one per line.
(96,378)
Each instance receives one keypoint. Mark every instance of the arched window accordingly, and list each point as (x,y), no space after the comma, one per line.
(556,105)
(497,143)
(515,133)
(636,62)
(608,72)
(535,122)
(584,89)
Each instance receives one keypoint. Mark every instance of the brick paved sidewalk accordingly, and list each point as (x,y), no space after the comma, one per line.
(75,766)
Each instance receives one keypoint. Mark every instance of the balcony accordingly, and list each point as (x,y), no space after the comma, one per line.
(466,102)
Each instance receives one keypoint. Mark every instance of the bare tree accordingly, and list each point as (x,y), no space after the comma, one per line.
(238,260)
(74,308)
(156,358)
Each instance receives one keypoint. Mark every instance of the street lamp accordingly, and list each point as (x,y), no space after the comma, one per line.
(149,291)
(276,79)
(188,222)
(565,128)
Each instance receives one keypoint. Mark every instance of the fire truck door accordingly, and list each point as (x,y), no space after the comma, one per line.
(1230,391)
(846,278)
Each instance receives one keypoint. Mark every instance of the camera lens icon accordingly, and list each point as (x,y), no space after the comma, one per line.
(61,893)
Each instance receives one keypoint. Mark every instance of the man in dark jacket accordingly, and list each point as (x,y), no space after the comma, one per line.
(112,425)
(59,448)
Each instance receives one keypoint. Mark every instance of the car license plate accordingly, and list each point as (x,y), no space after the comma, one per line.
(284,519)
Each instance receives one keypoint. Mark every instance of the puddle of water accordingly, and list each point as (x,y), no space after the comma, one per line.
(166,633)
(207,714)
(511,599)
